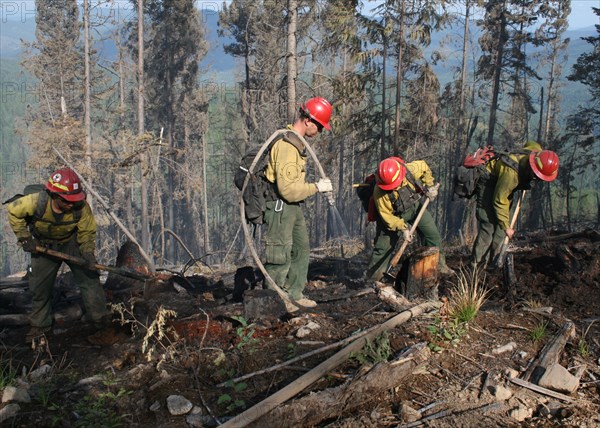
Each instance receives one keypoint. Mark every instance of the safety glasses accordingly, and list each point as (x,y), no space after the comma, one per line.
(319,126)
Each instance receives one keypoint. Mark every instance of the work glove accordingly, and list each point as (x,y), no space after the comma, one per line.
(432,191)
(407,235)
(90,258)
(28,244)
(324,185)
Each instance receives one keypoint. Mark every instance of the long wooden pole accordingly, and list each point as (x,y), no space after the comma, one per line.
(413,228)
(94,266)
(299,357)
(326,366)
(502,253)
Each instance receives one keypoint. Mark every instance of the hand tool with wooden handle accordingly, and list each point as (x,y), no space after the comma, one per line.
(399,253)
(499,260)
(95,266)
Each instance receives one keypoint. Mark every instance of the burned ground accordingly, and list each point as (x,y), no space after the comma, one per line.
(125,380)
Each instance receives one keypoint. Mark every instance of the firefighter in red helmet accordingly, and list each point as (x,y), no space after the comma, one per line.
(287,246)
(399,194)
(494,193)
(58,218)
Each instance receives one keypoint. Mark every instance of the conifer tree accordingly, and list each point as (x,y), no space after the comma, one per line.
(174,47)
(56,62)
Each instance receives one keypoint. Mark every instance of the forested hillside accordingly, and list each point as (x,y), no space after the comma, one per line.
(403,80)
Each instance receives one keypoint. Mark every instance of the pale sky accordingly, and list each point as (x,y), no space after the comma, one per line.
(582,14)
(581,10)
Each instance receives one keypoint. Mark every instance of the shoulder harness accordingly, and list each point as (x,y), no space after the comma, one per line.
(406,198)
(40,210)
(292,138)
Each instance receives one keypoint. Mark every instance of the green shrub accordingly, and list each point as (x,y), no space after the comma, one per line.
(8,372)
(374,352)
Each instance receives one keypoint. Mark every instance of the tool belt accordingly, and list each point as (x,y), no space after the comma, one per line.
(271,191)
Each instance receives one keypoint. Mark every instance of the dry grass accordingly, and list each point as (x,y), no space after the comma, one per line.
(468,295)
(532,304)
(157,336)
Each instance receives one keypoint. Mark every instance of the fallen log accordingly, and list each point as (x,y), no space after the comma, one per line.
(334,402)
(550,354)
(350,295)
(303,382)
(14,320)
(13,282)
(389,295)
(590,234)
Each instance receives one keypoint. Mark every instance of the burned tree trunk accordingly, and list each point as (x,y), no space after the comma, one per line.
(550,354)
(334,402)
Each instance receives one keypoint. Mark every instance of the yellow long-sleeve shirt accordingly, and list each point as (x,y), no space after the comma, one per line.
(49,228)
(420,171)
(287,169)
(508,180)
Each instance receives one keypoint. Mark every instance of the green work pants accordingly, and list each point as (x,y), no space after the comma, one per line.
(490,235)
(42,275)
(287,247)
(386,240)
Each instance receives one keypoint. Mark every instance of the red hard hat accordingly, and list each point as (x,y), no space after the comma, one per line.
(544,164)
(391,172)
(65,183)
(319,110)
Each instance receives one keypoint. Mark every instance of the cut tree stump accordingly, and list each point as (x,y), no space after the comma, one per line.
(129,257)
(263,305)
(344,399)
(591,234)
(419,274)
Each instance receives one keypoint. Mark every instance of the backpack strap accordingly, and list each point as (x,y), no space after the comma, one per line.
(416,183)
(40,208)
(295,140)
(505,158)
(12,199)
(405,198)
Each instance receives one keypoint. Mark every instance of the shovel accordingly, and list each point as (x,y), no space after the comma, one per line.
(97,266)
(398,255)
(499,260)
